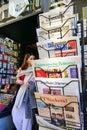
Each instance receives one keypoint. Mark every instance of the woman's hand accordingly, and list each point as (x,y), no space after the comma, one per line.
(19,82)
(28,85)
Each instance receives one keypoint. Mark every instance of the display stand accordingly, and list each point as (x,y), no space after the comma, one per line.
(48,67)
(55,22)
(8,67)
(46,75)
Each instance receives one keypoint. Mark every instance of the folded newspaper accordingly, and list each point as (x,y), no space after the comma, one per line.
(42,122)
(16,7)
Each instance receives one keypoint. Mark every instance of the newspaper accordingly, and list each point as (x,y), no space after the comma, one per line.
(16,7)
(60,111)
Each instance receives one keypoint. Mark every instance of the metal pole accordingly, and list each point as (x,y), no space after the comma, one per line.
(83,77)
(45,5)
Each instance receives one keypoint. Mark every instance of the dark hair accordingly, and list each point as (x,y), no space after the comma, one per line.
(25,64)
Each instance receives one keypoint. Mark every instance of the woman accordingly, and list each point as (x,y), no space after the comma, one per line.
(25,104)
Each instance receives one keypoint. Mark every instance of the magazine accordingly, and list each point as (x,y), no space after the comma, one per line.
(54,16)
(58,86)
(62,67)
(58,47)
(61,111)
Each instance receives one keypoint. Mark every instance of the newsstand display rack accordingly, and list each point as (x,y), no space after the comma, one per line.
(49,45)
(9,52)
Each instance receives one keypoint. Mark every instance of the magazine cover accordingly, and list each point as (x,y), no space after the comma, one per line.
(58,86)
(62,67)
(61,111)
(58,47)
